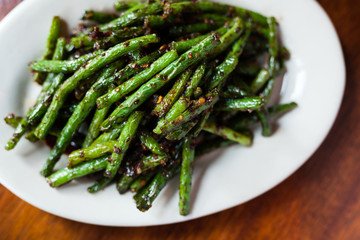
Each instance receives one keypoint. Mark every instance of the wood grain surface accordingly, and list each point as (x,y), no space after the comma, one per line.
(320,201)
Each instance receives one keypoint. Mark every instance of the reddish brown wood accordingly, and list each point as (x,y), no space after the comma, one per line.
(320,201)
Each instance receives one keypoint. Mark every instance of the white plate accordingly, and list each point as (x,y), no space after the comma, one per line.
(315,80)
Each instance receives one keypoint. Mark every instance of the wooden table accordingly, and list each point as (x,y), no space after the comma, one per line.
(320,201)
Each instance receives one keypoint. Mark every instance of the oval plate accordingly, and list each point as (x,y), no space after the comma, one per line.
(226,178)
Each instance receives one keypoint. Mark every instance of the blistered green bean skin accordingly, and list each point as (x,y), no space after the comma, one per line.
(67,174)
(194,55)
(50,46)
(123,184)
(91,152)
(63,66)
(93,65)
(242,104)
(123,143)
(181,131)
(188,156)
(195,80)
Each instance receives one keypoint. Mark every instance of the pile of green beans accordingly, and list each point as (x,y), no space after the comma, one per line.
(140,92)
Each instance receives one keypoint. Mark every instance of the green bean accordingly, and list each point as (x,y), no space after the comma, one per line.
(181,131)
(99,184)
(200,124)
(219,8)
(276,110)
(150,161)
(188,156)
(199,106)
(227,133)
(12,121)
(98,17)
(49,47)
(96,43)
(242,104)
(236,28)
(123,143)
(179,107)
(131,17)
(260,80)
(273,46)
(195,80)
(94,151)
(266,93)
(67,174)
(141,181)
(63,66)
(135,67)
(232,91)
(145,197)
(230,62)
(123,184)
(150,143)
